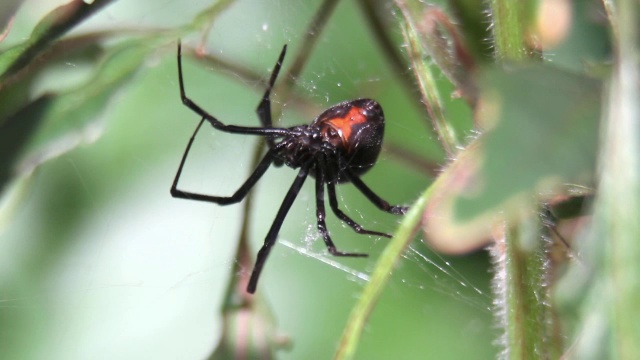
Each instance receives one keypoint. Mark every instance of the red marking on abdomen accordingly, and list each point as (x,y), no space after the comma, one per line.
(345,124)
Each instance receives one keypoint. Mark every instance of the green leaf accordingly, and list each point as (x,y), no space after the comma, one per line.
(15,133)
(546,134)
(50,28)
(57,122)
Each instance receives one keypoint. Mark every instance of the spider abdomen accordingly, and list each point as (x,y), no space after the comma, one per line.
(347,136)
(356,129)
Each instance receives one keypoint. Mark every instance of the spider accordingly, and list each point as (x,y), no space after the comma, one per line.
(341,144)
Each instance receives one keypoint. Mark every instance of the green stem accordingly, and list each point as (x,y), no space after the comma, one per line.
(381,274)
(421,64)
(620,185)
(519,254)
(511,21)
(521,289)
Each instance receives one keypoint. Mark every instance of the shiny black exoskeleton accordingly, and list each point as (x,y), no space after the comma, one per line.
(341,144)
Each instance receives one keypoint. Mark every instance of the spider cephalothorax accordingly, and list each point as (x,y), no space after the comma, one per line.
(341,144)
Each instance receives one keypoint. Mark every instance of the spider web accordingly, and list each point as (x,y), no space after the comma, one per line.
(445,279)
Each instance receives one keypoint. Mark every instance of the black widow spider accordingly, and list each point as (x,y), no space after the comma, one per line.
(341,144)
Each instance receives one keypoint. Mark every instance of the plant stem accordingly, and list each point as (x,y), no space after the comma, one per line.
(422,67)
(510,23)
(620,185)
(520,256)
(521,287)
(380,276)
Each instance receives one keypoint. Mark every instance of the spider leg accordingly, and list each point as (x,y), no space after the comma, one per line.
(373,197)
(321,215)
(333,201)
(265,131)
(222,200)
(264,107)
(270,239)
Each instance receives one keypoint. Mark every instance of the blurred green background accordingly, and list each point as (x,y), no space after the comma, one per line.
(97,261)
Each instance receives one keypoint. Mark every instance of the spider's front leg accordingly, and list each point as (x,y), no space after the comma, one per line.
(264,107)
(221,200)
(265,131)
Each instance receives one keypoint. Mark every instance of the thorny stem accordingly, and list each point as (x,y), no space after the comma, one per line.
(522,293)
(510,22)
(421,66)
(519,254)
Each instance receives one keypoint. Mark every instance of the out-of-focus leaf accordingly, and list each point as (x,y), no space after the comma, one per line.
(544,138)
(52,26)
(441,230)
(546,135)
(18,92)
(64,118)
(18,129)
(600,294)
(8,10)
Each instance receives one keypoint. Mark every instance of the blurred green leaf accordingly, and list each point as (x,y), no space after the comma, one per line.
(547,130)
(600,294)
(63,118)
(8,10)
(16,132)
(51,27)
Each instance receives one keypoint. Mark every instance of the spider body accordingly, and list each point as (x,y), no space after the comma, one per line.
(347,135)
(341,144)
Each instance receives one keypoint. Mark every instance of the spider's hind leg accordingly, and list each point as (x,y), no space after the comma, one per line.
(333,202)
(321,215)
(375,198)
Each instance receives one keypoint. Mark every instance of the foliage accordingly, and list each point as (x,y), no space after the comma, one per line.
(526,119)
